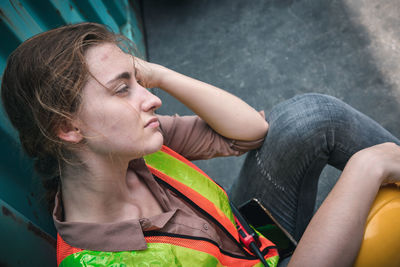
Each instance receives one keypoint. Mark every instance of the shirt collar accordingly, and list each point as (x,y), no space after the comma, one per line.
(118,236)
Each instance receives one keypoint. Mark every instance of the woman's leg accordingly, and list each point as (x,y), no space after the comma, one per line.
(306,133)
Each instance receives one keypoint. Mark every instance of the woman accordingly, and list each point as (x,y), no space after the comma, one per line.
(83,113)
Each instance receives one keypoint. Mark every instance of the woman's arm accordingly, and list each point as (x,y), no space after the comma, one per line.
(334,235)
(227,114)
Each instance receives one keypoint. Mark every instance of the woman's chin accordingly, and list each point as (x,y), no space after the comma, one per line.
(156,144)
(147,147)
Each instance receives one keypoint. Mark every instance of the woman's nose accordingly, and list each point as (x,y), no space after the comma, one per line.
(150,102)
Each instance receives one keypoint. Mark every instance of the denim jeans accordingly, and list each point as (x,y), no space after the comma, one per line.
(305,133)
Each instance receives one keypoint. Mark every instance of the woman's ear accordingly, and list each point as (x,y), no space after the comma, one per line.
(69,132)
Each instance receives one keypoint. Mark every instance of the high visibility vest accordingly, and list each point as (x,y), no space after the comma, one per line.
(166,249)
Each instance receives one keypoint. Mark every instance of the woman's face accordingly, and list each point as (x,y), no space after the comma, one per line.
(117,114)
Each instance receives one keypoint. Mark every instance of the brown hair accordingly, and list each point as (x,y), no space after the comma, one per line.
(41,89)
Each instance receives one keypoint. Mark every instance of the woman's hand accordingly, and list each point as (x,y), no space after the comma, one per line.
(148,74)
(383,160)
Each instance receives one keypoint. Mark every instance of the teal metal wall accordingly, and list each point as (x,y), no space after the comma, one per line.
(27,236)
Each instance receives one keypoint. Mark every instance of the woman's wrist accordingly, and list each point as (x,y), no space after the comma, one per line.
(159,73)
(368,163)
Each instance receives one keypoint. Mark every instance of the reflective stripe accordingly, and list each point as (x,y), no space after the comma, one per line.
(194,184)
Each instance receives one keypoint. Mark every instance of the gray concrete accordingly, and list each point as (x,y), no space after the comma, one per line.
(268,51)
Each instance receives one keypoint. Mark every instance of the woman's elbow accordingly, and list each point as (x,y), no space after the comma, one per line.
(264,128)
(260,130)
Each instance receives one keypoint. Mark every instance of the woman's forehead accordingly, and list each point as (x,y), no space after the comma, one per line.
(106,61)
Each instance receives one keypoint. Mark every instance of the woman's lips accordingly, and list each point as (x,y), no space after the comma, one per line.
(152,123)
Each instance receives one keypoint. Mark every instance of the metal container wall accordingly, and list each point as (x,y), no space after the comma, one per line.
(28,234)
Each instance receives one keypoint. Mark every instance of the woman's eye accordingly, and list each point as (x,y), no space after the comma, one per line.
(122,89)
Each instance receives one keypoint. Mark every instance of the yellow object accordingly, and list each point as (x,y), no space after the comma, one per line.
(381,243)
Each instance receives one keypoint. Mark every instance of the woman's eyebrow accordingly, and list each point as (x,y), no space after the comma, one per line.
(125,75)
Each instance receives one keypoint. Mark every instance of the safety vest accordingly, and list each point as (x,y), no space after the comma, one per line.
(166,249)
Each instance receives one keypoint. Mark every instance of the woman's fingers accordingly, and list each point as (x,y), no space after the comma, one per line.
(143,72)
(148,74)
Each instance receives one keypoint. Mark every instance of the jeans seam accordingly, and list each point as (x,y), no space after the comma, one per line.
(311,166)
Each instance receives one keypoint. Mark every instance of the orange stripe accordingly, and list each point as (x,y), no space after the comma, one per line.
(172,153)
(266,243)
(64,250)
(203,246)
(200,200)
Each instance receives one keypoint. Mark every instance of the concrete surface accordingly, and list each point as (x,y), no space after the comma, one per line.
(266,51)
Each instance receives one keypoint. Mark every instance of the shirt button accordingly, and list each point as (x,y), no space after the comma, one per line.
(205,226)
(145,223)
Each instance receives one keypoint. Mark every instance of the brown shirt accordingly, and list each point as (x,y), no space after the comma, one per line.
(194,139)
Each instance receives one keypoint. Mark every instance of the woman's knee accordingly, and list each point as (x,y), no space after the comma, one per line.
(308,112)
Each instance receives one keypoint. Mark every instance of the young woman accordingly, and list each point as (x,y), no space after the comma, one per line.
(82,110)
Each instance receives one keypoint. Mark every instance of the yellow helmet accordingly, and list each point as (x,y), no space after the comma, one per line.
(381,243)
